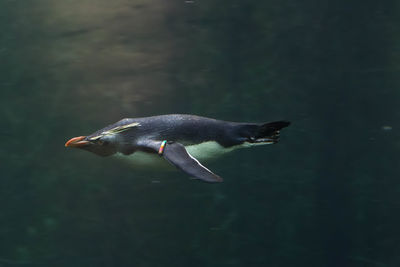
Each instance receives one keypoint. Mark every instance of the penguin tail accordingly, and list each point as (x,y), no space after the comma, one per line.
(267,133)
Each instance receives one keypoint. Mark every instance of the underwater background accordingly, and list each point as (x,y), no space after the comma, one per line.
(327,195)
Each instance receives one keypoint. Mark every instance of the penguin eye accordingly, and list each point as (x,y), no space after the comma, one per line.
(102,142)
(99,140)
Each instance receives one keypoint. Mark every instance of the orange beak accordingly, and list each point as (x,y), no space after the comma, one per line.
(77,142)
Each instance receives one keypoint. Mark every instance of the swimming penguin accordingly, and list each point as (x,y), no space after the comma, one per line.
(180,139)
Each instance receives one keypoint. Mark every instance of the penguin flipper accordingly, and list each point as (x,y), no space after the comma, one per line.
(176,154)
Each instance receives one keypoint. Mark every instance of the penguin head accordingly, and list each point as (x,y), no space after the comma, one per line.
(106,141)
(102,144)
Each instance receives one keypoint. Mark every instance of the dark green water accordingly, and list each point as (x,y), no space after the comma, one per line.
(327,195)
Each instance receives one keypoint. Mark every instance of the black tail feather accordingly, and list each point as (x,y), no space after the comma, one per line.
(271,128)
(268,132)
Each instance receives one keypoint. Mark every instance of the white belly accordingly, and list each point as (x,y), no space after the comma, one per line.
(202,152)
(207,150)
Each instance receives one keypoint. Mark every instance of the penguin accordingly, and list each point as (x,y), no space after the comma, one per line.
(178,138)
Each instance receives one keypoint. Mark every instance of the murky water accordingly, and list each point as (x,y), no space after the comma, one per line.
(326,195)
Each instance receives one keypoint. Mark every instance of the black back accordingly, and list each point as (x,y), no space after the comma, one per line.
(185,129)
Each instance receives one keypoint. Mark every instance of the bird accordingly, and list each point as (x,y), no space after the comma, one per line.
(180,139)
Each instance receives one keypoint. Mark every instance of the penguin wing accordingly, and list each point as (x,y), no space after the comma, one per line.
(177,155)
